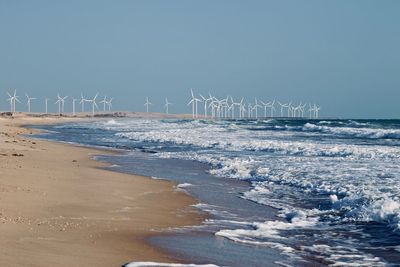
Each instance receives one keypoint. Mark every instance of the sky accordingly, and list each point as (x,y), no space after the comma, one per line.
(343,55)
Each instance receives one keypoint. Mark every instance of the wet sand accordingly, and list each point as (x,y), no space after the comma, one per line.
(59,208)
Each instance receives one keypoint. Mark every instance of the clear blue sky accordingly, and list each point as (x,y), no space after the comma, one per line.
(343,54)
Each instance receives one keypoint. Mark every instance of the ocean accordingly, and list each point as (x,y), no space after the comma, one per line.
(279,192)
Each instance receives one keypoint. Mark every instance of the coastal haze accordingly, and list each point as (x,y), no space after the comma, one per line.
(342,55)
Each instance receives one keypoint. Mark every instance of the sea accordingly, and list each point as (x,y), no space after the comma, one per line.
(278,192)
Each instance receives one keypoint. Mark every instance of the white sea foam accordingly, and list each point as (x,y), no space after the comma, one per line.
(114,166)
(157,178)
(352,188)
(344,256)
(113,122)
(269,229)
(355,132)
(184,185)
(240,142)
(360,164)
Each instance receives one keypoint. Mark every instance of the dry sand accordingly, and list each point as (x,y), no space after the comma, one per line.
(58,208)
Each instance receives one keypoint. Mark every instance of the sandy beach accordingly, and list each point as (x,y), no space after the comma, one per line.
(59,208)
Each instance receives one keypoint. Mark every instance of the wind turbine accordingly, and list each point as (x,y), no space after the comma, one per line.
(310,110)
(282,107)
(94,104)
(194,101)
(231,107)
(239,104)
(249,110)
(289,109)
(82,102)
(317,109)
(205,100)
(265,108)
(147,104)
(109,104)
(271,105)
(104,102)
(218,108)
(256,106)
(167,105)
(12,100)
(214,106)
(60,101)
(225,106)
(302,110)
(295,110)
(29,99)
(242,109)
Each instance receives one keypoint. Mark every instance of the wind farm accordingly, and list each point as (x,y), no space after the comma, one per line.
(211,107)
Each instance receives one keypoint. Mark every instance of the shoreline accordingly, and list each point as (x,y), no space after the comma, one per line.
(62,215)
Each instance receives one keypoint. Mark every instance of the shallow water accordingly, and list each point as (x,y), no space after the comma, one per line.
(284,191)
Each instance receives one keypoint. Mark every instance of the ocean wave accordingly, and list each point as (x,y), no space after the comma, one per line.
(113,123)
(238,142)
(354,132)
(281,234)
(184,185)
(269,229)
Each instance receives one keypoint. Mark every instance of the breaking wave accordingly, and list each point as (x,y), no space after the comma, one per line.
(354,132)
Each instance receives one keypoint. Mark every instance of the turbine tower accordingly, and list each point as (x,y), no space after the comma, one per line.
(29,100)
(12,100)
(310,110)
(73,105)
(302,110)
(167,104)
(239,104)
(194,101)
(249,110)
(82,102)
(232,107)
(104,102)
(46,100)
(205,100)
(317,109)
(109,104)
(265,108)
(256,106)
(242,110)
(60,101)
(289,109)
(94,104)
(271,105)
(282,107)
(147,104)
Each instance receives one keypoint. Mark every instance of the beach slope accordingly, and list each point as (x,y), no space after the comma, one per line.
(59,208)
